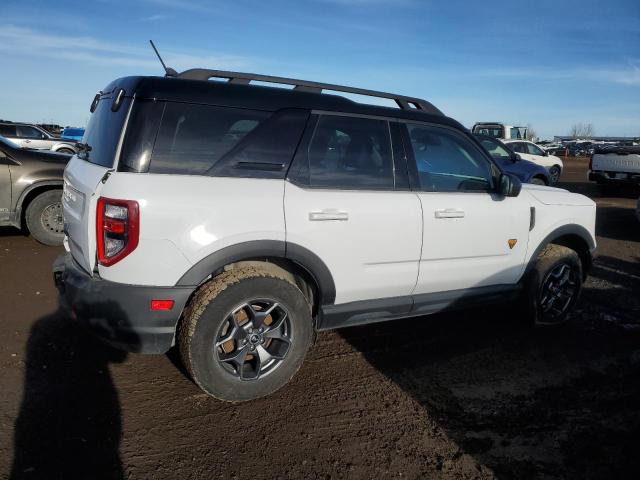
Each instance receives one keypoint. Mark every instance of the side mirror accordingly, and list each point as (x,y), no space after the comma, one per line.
(516,157)
(509,185)
(545,153)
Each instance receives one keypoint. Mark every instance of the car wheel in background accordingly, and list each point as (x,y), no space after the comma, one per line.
(538,181)
(44,218)
(554,173)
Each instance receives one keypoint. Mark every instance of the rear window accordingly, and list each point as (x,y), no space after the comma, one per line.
(103,132)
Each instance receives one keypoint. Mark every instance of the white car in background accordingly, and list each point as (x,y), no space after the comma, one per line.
(532,152)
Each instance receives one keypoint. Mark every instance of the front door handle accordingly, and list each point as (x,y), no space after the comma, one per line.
(324,215)
(449,213)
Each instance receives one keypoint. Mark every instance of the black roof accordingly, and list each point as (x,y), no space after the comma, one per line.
(243,95)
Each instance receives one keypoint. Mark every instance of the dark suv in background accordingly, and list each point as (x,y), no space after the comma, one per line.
(31,191)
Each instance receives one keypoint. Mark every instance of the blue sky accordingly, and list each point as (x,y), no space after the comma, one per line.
(546,63)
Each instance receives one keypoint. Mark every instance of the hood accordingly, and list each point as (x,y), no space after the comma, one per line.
(39,156)
(557,196)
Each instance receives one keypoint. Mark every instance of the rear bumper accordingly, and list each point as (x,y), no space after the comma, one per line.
(613,177)
(118,313)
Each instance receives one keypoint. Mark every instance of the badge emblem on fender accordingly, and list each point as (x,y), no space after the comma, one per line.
(512,242)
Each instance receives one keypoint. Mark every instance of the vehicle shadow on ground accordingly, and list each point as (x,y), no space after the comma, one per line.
(618,223)
(552,403)
(12,232)
(69,424)
(594,190)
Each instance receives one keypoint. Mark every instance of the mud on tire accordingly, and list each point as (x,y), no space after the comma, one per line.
(552,287)
(245,333)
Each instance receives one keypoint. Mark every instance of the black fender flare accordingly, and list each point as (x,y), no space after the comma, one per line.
(569,229)
(17,213)
(257,249)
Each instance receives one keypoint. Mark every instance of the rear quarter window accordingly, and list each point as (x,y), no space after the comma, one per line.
(223,141)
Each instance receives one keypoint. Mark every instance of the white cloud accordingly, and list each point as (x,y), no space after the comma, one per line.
(23,42)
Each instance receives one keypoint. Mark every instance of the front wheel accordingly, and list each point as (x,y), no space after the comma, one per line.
(44,218)
(553,286)
(538,181)
(554,173)
(245,334)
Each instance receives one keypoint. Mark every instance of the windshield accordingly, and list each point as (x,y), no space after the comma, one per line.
(496,149)
(8,143)
(103,132)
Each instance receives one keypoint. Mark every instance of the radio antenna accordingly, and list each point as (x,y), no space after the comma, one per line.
(168,71)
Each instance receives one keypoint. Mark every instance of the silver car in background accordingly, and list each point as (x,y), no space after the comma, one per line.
(36,138)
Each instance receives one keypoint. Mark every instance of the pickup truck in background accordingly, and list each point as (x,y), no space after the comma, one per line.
(615,165)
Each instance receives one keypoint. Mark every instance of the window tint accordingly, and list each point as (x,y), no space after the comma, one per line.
(533,149)
(192,138)
(447,162)
(496,149)
(354,153)
(103,132)
(518,147)
(495,131)
(24,131)
(8,130)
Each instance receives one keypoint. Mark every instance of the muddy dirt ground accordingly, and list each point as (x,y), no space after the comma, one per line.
(461,395)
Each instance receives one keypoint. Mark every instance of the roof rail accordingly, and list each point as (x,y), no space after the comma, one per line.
(405,103)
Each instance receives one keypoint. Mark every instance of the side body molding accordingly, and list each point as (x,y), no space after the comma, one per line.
(258,249)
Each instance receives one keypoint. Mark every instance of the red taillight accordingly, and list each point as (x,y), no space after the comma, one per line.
(161,305)
(117,229)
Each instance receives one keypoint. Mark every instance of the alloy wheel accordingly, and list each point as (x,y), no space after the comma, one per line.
(558,290)
(254,339)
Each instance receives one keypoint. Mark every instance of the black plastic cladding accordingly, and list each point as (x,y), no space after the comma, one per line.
(262,98)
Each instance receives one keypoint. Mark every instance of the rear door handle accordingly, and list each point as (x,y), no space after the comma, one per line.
(325,215)
(449,213)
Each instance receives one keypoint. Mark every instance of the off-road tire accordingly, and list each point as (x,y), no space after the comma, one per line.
(35,221)
(206,313)
(530,309)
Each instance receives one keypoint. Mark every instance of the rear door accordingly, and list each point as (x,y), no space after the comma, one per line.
(346,204)
(83,178)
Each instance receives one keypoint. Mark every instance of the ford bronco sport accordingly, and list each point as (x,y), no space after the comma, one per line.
(233,219)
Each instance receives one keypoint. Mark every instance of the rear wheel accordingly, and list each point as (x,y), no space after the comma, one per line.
(245,334)
(44,218)
(553,286)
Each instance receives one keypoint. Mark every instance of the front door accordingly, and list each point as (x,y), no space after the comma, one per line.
(346,208)
(31,137)
(472,237)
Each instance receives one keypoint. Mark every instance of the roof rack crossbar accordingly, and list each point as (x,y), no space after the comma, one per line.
(403,102)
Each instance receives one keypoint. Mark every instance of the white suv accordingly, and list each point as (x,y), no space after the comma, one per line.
(533,153)
(232,220)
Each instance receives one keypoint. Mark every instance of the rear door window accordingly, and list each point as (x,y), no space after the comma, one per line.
(351,153)
(8,130)
(518,147)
